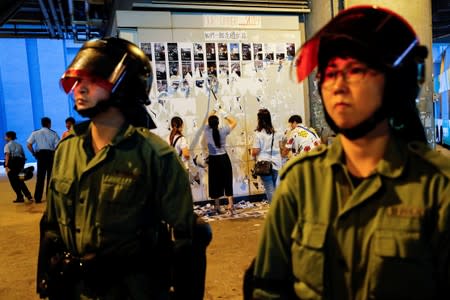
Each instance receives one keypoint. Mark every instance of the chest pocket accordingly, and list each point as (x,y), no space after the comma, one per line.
(400,267)
(308,259)
(116,188)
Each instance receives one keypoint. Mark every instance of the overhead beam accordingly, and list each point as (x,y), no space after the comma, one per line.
(8,9)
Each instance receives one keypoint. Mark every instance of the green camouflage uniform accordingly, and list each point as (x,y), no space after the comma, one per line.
(111,204)
(388,238)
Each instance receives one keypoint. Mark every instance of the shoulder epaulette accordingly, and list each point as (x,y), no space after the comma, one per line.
(438,160)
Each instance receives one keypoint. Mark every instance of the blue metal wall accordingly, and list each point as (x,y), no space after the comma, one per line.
(29,86)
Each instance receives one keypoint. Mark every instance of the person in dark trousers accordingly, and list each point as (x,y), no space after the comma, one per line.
(14,163)
(220,171)
(42,144)
(119,204)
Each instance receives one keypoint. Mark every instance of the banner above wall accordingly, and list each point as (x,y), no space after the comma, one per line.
(226,36)
(221,21)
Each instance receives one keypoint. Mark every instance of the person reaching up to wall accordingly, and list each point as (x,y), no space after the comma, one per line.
(220,171)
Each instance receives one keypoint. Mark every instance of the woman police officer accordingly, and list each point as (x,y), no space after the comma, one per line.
(369,216)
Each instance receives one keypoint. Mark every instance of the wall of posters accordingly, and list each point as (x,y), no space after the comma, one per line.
(238,77)
(197,68)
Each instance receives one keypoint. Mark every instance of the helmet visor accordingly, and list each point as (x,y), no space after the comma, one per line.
(71,78)
(92,64)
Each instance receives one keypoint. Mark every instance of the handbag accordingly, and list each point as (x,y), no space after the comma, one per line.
(264,167)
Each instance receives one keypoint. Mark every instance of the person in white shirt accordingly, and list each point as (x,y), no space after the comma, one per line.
(299,138)
(267,147)
(177,140)
(220,170)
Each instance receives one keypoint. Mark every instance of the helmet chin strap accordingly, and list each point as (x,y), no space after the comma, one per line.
(100,107)
(359,130)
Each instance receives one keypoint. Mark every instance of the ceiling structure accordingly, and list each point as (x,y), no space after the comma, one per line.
(81,20)
(441,21)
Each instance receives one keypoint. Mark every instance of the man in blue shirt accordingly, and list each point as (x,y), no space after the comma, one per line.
(44,141)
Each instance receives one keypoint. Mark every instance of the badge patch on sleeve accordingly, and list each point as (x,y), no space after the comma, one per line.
(405,211)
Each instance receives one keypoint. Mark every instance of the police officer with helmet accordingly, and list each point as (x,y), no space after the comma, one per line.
(368,216)
(116,187)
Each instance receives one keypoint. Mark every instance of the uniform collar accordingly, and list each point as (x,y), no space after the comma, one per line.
(392,164)
(83,130)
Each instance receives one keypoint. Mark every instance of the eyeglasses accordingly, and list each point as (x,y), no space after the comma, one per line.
(351,74)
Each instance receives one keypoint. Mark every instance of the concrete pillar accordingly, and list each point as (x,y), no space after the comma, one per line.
(321,12)
(418,14)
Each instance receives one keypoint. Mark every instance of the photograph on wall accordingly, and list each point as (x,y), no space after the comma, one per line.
(211,51)
(186,68)
(246,51)
(223,68)
(173,68)
(161,85)
(172,51)
(212,68)
(280,52)
(234,51)
(199,69)
(257,51)
(198,51)
(147,48)
(223,51)
(236,68)
(161,72)
(269,55)
(160,52)
(186,51)
(290,51)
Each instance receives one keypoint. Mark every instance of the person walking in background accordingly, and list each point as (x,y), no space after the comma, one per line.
(177,140)
(116,187)
(70,121)
(14,163)
(220,171)
(42,144)
(299,138)
(368,216)
(267,147)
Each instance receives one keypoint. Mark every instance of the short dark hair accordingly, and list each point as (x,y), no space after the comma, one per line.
(11,135)
(46,122)
(71,120)
(295,118)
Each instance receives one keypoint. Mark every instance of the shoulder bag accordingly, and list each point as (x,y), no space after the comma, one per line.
(264,167)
